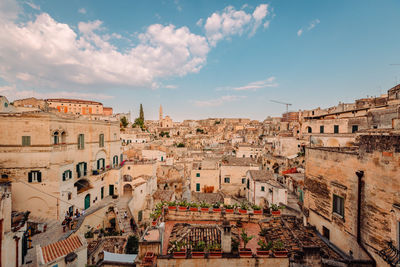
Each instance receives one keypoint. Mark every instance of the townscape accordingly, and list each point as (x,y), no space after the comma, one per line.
(84,186)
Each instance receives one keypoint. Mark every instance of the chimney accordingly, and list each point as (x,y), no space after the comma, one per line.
(226,237)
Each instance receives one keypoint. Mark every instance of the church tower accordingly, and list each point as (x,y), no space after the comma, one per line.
(160,117)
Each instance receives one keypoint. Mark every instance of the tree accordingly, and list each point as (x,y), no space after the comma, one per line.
(132,245)
(245,238)
(124,122)
(141,114)
(181,145)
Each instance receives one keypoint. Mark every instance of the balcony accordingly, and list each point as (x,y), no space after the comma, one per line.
(390,254)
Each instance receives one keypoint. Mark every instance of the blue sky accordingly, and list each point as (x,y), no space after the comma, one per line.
(200,59)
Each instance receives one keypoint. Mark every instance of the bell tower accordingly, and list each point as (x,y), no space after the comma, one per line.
(160,116)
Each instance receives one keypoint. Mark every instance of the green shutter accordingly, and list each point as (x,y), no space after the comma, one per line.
(30,177)
(85,168)
(39,177)
(77,170)
(98,164)
(63,176)
(198,187)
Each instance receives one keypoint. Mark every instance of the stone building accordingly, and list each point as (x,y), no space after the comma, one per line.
(352,196)
(76,106)
(205,176)
(58,162)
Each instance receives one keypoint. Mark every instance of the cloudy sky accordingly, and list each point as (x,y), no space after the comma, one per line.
(199,58)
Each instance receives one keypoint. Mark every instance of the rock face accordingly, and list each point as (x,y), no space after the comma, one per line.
(331,173)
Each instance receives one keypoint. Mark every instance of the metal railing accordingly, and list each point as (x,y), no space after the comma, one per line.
(390,254)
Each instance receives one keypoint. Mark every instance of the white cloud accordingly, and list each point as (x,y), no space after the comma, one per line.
(232,22)
(253,86)
(300,32)
(170,86)
(32,5)
(309,27)
(218,101)
(82,10)
(47,54)
(12,93)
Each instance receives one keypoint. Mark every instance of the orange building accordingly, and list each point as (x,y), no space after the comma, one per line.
(76,106)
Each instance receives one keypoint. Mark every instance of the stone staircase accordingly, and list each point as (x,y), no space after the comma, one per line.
(53,233)
(124,224)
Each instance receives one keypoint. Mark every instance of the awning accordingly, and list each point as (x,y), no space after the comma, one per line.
(292,156)
(119,258)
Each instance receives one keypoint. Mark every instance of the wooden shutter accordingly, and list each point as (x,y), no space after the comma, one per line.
(30,177)
(85,168)
(77,170)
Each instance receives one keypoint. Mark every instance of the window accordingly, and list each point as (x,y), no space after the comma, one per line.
(56,138)
(243,180)
(248,184)
(140,215)
(26,140)
(197,187)
(198,174)
(101,140)
(325,232)
(321,129)
(354,128)
(262,188)
(227,180)
(309,129)
(338,205)
(81,141)
(81,169)
(115,161)
(335,129)
(100,164)
(66,175)
(35,177)
(69,195)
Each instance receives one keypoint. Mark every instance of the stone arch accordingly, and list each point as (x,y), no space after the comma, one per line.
(128,190)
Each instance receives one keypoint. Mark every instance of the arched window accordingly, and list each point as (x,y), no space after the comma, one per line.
(56,138)
(63,138)
(115,161)
(309,129)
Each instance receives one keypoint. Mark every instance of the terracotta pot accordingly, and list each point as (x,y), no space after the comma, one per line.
(172,207)
(217,209)
(215,254)
(198,254)
(204,209)
(154,223)
(180,254)
(263,253)
(182,208)
(258,212)
(280,253)
(229,210)
(275,212)
(245,253)
(242,211)
(194,209)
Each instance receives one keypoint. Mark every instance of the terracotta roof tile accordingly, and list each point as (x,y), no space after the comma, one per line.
(61,248)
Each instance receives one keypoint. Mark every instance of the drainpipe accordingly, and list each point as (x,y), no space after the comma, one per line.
(360,175)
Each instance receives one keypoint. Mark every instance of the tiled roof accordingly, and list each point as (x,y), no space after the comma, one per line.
(61,248)
(78,101)
(261,175)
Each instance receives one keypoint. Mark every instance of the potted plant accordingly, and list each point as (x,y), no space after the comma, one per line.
(193,206)
(256,209)
(245,252)
(183,205)
(198,249)
(229,208)
(215,251)
(155,215)
(204,206)
(263,250)
(172,205)
(216,207)
(243,208)
(279,250)
(263,232)
(275,209)
(179,250)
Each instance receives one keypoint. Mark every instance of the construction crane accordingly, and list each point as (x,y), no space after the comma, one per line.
(287,104)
